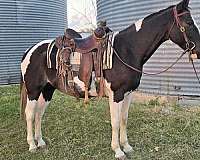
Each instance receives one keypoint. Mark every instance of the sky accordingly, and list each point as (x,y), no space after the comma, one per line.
(81,14)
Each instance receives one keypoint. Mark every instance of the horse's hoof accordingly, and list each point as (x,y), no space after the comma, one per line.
(128,149)
(122,158)
(41,143)
(129,155)
(86,102)
(33,150)
(42,146)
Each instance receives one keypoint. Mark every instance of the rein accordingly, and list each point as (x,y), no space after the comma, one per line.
(195,71)
(188,49)
(147,73)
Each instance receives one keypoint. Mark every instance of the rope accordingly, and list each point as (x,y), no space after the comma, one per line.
(195,71)
(147,73)
(62,69)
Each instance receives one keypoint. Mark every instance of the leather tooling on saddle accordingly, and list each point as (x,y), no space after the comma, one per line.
(59,51)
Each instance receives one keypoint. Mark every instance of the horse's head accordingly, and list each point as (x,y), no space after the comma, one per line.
(183,31)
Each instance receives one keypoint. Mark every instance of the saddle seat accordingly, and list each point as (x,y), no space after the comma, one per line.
(89,62)
(91,42)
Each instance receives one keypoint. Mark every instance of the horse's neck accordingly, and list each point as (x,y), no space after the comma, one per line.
(151,36)
(154,43)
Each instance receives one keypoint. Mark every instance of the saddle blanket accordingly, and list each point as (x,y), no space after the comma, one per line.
(52,53)
(49,54)
(108,53)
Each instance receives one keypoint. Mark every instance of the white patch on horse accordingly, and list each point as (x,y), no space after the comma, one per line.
(123,122)
(93,91)
(30,115)
(138,24)
(40,109)
(115,112)
(80,84)
(26,61)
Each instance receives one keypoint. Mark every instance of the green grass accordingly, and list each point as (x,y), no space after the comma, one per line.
(75,133)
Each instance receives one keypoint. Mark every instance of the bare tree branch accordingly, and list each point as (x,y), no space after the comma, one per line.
(94,6)
(87,14)
(86,17)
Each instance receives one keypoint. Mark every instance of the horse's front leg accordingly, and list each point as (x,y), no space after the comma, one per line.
(42,104)
(123,124)
(115,109)
(30,114)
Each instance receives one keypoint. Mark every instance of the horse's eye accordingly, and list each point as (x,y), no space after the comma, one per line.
(190,23)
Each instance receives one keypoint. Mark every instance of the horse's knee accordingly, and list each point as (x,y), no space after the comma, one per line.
(30,109)
(124,119)
(115,122)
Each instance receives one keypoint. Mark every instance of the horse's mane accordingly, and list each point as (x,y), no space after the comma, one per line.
(147,18)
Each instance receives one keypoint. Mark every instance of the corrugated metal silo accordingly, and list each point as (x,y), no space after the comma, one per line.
(22,24)
(180,80)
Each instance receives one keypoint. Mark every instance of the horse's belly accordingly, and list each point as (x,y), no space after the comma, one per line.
(80,86)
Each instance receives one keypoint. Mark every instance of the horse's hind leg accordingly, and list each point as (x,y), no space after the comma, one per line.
(43,101)
(86,99)
(30,113)
(42,104)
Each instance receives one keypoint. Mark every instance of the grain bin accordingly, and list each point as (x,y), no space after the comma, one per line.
(22,24)
(180,80)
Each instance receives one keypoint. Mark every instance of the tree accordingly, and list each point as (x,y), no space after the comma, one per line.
(84,18)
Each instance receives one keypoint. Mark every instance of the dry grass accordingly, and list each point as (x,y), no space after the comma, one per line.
(156,132)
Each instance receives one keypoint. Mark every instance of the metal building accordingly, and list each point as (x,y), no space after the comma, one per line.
(180,80)
(22,24)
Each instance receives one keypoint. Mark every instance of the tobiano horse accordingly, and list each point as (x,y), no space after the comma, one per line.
(46,67)
(133,47)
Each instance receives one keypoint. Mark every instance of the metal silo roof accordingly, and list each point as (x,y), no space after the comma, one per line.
(180,80)
(22,24)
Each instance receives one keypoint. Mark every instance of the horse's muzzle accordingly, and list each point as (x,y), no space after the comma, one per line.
(195,54)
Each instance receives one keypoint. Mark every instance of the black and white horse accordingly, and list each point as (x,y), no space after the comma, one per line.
(134,46)
(40,76)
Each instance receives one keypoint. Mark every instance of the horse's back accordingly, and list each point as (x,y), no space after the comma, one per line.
(34,58)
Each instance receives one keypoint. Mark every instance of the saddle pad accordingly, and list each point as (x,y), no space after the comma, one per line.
(49,52)
(108,53)
(52,56)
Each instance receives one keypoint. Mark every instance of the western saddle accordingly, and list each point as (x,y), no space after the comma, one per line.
(92,49)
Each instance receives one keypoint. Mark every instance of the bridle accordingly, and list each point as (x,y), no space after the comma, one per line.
(188,42)
(181,28)
(187,50)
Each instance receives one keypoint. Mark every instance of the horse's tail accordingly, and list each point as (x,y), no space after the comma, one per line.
(23,99)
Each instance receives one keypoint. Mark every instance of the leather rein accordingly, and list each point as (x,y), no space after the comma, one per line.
(188,48)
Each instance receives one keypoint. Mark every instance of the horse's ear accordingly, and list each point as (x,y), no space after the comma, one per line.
(183,5)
